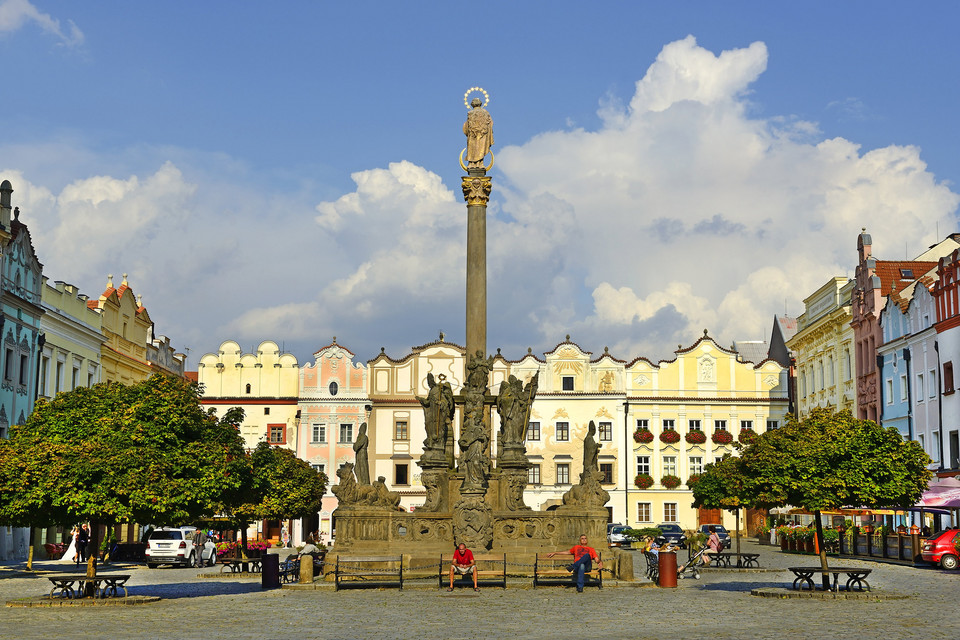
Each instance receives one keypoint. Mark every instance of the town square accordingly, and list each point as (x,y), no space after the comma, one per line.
(675,358)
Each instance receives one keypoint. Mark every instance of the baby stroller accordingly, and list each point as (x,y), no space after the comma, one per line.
(692,566)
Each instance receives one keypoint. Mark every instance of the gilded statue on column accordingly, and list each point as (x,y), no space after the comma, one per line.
(479,130)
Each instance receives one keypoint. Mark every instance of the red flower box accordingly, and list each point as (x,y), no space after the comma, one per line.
(643,436)
(670,437)
(692,480)
(670,482)
(696,437)
(643,481)
(747,436)
(722,437)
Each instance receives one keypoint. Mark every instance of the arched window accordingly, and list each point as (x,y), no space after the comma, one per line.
(248,388)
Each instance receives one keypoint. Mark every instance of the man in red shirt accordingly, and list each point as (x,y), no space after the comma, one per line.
(462,564)
(582,565)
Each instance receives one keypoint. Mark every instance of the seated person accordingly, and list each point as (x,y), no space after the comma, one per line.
(463,563)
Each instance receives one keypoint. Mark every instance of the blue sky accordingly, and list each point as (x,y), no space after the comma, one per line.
(288,171)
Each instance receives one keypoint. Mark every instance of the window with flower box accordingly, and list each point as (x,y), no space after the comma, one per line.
(643,423)
(693,425)
(669,465)
(643,465)
(746,424)
(719,425)
(668,425)
(696,465)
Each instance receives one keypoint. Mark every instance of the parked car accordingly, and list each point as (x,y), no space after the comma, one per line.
(174,545)
(940,548)
(617,536)
(673,534)
(722,533)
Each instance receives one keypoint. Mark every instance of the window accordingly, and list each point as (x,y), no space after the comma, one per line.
(346,433)
(947,377)
(719,425)
(319,468)
(889,389)
(563,431)
(847,366)
(567,382)
(75,381)
(334,387)
(693,425)
(718,459)
(903,390)
(248,388)
(643,464)
(266,411)
(8,367)
(643,512)
(772,424)
(669,465)
(533,431)
(606,468)
(606,431)
(401,473)
(643,423)
(319,433)
(58,381)
(935,450)
(44,363)
(906,274)
(563,473)
(668,425)
(533,474)
(670,512)
(932,383)
(400,431)
(746,424)
(919,387)
(25,367)
(276,434)
(696,465)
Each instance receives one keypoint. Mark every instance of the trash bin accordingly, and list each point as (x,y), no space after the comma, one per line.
(668,569)
(270,571)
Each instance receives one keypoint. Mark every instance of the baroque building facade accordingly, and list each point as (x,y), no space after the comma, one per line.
(127,329)
(73,340)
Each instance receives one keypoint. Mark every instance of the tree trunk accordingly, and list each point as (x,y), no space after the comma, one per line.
(736,526)
(823,551)
(93,549)
(243,540)
(30,550)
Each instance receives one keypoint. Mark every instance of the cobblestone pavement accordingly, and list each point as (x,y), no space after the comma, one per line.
(717,606)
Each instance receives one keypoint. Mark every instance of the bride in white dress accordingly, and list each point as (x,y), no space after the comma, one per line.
(70,555)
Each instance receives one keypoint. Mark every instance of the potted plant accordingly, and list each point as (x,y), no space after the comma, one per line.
(831,540)
(783,534)
(670,482)
(643,481)
(696,437)
(643,436)
(722,437)
(670,437)
(692,480)
(763,533)
(747,436)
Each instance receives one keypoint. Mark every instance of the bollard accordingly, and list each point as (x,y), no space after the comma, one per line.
(306,569)
(915,545)
(270,571)
(668,569)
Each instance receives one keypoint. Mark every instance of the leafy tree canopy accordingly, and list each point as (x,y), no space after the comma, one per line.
(116,453)
(281,486)
(833,460)
(721,486)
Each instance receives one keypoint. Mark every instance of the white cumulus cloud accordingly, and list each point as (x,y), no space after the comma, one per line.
(14,14)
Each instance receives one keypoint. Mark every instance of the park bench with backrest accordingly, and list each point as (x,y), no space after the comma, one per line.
(104,585)
(491,568)
(738,560)
(368,571)
(856,578)
(554,569)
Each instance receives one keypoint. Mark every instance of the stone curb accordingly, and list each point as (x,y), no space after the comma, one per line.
(246,575)
(432,586)
(47,601)
(787,594)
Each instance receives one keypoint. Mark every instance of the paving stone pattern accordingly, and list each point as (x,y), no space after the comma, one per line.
(715,607)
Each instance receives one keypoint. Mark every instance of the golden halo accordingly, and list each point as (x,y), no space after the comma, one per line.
(486,96)
(461,159)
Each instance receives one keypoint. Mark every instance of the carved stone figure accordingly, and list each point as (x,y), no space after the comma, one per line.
(351,494)
(513,405)
(588,493)
(431,482)
(516,482)
(438,411)
(479,131)
(385,497)
(474,463)
(606,382)
(473,522)
(362,465)
(591,450)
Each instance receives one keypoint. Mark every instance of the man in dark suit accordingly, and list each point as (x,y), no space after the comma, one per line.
(83,541)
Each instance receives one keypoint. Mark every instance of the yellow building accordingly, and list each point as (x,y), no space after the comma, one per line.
(127,330)
(823,349)
(73,340)
(707,391)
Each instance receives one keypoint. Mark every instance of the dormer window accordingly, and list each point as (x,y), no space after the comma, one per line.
(906,274)
(567,382)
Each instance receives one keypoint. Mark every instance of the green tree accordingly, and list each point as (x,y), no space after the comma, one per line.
(114,453)
(279,485)
(721,486)
(829,461)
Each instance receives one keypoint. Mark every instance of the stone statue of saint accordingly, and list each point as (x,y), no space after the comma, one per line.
(438,410)
(479,131)
(591,450)
(513,405)
(473,461)
(361,463)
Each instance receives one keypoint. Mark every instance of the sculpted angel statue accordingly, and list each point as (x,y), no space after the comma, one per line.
(438,410)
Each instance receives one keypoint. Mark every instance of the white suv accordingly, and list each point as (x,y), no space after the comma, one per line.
(174,545)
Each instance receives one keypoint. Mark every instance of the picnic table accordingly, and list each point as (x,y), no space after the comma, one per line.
(241,565)
(856,578)
(743,560)
(104,585)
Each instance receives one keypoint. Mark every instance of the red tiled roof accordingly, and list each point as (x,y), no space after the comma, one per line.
(889,272)
(192,376)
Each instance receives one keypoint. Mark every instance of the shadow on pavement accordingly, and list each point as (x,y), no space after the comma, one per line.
(176,590)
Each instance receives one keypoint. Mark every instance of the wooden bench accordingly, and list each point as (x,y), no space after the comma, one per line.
(240,565)
(856,578)
(653,566)
(554,569)
(725,558)
(290,569)
(368,571)
(104,585)
(490,568)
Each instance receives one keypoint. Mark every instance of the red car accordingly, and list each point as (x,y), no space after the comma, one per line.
(941,548)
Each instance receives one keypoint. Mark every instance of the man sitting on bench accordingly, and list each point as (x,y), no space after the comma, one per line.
(463,564)
(582,565)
